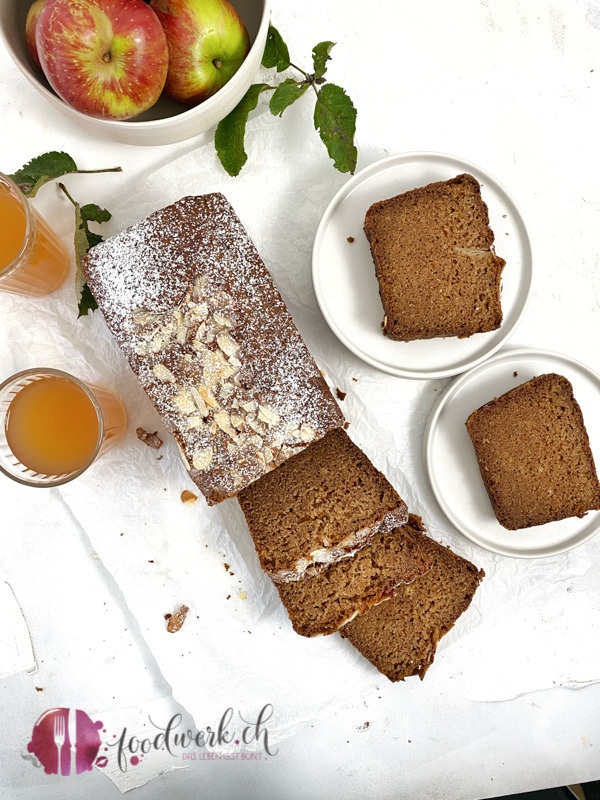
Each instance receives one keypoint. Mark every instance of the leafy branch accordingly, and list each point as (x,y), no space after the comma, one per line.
(334,115)
(48,167)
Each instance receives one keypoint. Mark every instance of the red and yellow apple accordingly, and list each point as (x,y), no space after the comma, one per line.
(30,26)
(105,58)
(207,44)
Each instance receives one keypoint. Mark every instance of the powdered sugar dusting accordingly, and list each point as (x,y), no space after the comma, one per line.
(192,305)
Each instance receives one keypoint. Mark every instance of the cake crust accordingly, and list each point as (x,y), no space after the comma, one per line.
(534,454)
(434,259)
(193,307)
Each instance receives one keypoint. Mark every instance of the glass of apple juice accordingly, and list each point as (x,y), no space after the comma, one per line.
(33,260)
(53,426)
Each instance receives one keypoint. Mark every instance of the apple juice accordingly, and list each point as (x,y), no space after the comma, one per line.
(33,260)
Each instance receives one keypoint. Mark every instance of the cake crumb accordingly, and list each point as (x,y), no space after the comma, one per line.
(39,689)
(364,726)
(226,565)
(340,395)
(176,620)
(515,373)
(242,595)
(153,440)
(189,498)
(355,380)
(350,239)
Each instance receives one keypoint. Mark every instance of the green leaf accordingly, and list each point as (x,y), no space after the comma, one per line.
(321,56)
(276,51)
(231,131)
(42,169)
(84,240)
(86,302)
(285,94)
(93,213)
(335,120)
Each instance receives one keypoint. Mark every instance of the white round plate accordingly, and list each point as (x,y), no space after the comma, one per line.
(344,275)
(452,466)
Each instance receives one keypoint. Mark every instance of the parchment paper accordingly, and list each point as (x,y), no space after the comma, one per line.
(237,648)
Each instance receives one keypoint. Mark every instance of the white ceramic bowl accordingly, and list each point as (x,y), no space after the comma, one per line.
(167,121)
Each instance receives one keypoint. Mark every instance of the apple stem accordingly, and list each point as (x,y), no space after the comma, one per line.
(66,191)
(94,171)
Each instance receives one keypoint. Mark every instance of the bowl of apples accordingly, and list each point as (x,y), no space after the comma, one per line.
(138,71)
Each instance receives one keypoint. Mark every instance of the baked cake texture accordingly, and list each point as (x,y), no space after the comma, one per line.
(435,263)
(321,604)
(193,307)
(318,507)
(400,636)
(534,454)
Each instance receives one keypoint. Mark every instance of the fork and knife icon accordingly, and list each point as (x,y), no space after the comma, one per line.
(66,762)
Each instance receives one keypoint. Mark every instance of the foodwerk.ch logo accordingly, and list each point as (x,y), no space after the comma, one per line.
(66,741)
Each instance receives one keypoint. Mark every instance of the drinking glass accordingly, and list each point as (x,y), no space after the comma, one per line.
(54,426)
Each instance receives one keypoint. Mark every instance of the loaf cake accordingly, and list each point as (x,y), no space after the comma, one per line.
(534,454)
(433,252)
(196,312)
(321,604)
(319,506)
(400,636)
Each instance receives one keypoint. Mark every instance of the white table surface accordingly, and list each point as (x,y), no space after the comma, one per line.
(509,85)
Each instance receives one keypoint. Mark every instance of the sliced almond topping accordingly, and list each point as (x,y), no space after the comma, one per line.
(228,345)
(250,406)
(157,343)
(199,402)
(163,374)
(202,458)
(226,391)
(268,415)
(222,321)
(216,368)
(184,402)
(207,396)
(237,421)
(255,424)
(213,428)
(255,441)
(222,420)
(181,334)
(268,454)
(193,422)
(235,362)
(307,434)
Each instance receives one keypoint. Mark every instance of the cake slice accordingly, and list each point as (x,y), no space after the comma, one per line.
(321,604)
(534,454)
(318,507)
(435,263)
(400,636)
(195,310)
